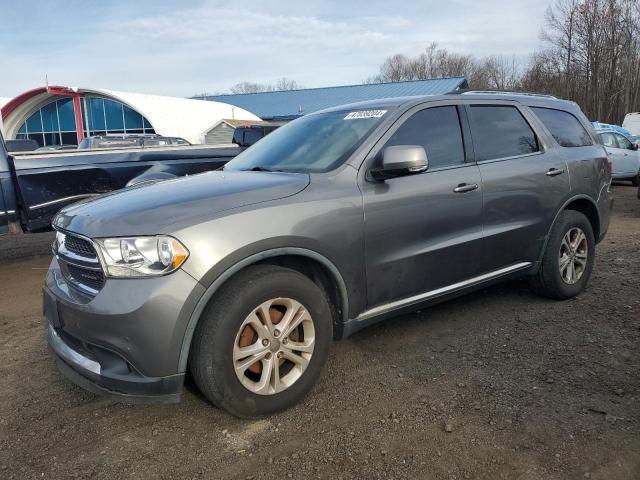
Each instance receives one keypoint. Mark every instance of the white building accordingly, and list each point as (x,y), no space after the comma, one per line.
(56,115)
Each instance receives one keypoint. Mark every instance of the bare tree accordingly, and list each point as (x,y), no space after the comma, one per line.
(249,87)
(281,84)
(435,62)
(286,84)
(590,54)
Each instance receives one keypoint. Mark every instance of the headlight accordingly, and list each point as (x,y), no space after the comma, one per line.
(141,256)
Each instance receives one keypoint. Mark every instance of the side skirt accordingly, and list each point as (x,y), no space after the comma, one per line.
(432,297)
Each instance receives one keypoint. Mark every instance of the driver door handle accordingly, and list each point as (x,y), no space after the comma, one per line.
(465,187)
(552,172)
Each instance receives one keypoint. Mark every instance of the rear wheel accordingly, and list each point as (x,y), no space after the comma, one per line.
(568,257)
(262,341)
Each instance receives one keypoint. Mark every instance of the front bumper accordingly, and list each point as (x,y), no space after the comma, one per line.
(130,387)
(124,342)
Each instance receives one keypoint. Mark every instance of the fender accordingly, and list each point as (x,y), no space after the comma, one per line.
(218,282)
(560,210)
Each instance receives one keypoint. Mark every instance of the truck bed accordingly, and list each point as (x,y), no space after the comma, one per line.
(46,182)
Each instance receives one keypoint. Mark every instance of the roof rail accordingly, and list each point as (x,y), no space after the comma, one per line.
(503,92)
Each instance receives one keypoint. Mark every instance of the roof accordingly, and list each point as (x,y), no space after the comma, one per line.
(287,104)
(242,123)
(530,99)
(606,127)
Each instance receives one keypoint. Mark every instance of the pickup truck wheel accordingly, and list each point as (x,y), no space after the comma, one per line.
(262,341)
(568,258)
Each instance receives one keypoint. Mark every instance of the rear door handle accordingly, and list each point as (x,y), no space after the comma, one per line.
(552,172)
(465,187)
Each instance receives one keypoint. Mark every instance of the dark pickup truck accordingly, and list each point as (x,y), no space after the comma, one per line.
(34,186)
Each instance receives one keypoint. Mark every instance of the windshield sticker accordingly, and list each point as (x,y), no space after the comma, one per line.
(365,114)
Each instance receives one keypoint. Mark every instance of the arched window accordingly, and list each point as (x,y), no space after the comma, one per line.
(54,124)
(103,116)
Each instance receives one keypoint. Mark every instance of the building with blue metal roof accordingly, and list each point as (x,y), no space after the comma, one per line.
(290,104)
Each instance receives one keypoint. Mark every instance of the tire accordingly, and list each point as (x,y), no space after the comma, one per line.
(635,181)
(220,333)
(550,281)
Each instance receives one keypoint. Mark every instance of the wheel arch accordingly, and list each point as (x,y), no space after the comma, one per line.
(580,203)
(308,262)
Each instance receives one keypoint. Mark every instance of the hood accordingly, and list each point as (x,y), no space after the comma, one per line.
(165,207)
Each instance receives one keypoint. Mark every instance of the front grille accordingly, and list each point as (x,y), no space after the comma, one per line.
(79,263)
(79,246)
(94,279)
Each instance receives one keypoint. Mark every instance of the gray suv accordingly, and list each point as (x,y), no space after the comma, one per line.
(336,221)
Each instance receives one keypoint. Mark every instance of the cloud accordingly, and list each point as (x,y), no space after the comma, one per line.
(177,50)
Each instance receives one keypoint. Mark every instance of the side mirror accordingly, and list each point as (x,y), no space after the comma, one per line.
(401,160)
(634,146)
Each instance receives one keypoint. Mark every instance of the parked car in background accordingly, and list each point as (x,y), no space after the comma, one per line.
(129,140)
(55,148)
(625,157)
(247,135)
(35,185)
(632,123)
(26,145)
(338,220)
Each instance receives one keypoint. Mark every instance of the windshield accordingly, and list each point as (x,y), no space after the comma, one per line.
(311,144)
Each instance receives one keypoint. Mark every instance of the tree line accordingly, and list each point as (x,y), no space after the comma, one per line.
(590,54)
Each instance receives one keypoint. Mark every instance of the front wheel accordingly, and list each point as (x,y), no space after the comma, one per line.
(262,341)
(568,257)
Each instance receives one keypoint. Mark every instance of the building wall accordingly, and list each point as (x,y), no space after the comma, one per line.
(220,134)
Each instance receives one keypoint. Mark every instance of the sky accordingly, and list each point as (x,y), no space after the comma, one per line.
(187,48)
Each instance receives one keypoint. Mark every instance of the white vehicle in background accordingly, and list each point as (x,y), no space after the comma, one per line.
(632,123)
(625,157)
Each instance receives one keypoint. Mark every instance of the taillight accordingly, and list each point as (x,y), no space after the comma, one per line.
(609,165)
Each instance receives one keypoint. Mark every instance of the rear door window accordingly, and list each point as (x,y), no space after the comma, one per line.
(437,129)
(500,131)
(565,128)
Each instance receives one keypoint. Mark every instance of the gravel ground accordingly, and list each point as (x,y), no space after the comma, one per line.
(498,384)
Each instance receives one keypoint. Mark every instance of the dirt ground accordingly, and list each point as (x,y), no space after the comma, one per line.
(500,384)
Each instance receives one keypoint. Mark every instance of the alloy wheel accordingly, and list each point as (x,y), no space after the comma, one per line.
(572,258)
(273,346)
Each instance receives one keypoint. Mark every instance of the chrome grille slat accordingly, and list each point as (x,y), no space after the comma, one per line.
(93,279)
(80,264)
(79,246)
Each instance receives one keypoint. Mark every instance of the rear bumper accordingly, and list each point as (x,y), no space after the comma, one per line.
(85,370)
(624,176)
(605,207)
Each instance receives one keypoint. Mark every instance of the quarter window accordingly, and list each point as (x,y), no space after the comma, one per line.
(500,131)
(437,129)
(564,127)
